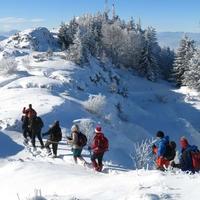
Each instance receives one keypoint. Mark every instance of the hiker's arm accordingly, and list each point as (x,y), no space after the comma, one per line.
(74,139)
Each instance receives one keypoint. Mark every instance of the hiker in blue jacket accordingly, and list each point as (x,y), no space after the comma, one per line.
(159,148)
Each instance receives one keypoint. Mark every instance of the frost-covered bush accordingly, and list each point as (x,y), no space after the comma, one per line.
(26,62)
(142,155)
(95,104)
(8,66)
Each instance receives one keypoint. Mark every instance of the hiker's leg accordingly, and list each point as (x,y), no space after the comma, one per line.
(55,147)
(40,138)
(93,159)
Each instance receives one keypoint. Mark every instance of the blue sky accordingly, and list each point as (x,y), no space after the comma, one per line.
(164,15)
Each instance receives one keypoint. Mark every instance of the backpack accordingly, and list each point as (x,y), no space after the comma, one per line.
(39,122)
(103,143)
(170,152)
(195,160)
(82,139)
(58,135)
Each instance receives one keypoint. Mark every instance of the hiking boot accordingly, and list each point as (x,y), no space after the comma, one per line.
(54,156)
(26,141)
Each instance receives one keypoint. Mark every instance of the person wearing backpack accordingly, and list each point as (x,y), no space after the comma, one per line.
(159,148)
(186,161)
(77,147)
(25,129)
(29,112)
(35,126)
(99,147)
(55,136)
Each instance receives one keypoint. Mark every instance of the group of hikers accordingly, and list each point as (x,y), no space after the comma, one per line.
(163,148)
(32,126)
(165,151)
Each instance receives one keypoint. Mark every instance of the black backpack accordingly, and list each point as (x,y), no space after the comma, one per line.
(55,133)
(170,152)
(39,122)
(82,139)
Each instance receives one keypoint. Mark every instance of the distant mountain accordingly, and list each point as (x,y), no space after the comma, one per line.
(8,33)
(172,39)
(2,37)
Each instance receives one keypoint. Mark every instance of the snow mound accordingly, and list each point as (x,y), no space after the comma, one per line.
(38,39)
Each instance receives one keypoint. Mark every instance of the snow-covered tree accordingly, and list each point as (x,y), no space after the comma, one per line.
(8,66)
(124,44)
(77,51)
(148,65)
(181,63)
(192,75)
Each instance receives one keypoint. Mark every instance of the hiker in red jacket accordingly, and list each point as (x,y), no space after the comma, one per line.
(29,112)
(99,147)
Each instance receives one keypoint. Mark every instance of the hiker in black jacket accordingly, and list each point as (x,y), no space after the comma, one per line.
(35,127)
(55,135)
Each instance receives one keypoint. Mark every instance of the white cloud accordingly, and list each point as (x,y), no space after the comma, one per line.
(19,23)
(18,20)
(12,20)
(37,20)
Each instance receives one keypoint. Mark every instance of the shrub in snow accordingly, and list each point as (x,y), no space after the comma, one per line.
(142,155)
(95,103)
(8,66)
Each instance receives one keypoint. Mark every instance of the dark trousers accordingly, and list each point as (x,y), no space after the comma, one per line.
(26,132)
(38,134)
(99,158)
(54,146)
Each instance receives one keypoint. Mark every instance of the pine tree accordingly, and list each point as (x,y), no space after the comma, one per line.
(192,76)
(181,63)
(78,51)
(148,65)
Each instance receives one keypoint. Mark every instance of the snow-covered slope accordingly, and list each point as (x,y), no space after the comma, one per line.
(129,108)
(133,108)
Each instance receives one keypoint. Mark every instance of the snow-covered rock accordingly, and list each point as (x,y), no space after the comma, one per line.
(38,39)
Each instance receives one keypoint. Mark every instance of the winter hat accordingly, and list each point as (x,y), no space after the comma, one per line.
(98,129)
(56,123)
(75,128)
(183,142)
(160,134)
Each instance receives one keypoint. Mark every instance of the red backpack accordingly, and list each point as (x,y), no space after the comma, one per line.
(103,143)
(196,160)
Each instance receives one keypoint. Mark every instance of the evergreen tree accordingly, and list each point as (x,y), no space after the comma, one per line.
(148,65)
(192,76)
(181,63)
(78,51)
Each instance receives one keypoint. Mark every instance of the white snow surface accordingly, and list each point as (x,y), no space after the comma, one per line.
(58,90)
